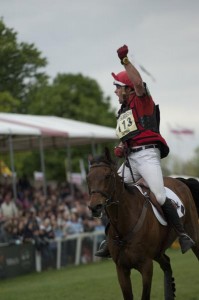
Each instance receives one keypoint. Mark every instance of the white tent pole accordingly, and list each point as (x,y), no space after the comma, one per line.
(14,186)
(69,169)
(93,148)
(42,164)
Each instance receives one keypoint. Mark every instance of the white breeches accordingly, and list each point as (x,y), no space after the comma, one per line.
(146,164)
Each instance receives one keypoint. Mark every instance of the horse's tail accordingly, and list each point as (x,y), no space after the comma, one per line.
(193,185)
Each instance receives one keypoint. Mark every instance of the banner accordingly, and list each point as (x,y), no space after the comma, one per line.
(16,260)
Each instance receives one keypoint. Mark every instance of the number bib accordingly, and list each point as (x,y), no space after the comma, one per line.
(125,124)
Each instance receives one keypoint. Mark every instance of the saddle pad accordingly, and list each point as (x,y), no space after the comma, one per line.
(170,194)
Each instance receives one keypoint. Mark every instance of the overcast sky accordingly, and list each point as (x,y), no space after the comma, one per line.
(83,36)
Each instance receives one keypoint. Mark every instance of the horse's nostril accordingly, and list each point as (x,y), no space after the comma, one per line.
(96,210)
(98,206)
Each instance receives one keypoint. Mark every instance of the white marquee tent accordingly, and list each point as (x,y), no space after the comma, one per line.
(24,132)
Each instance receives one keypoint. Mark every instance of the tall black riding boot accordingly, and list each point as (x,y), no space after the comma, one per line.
(172,217)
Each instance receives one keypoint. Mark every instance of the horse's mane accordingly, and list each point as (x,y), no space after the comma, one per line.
(101,159)
(104,158)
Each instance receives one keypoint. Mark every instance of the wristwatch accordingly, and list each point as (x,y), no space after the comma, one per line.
(125,61)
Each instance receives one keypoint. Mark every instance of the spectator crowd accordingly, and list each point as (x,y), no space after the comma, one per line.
(35,217)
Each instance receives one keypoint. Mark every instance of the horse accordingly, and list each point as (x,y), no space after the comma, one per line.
(135,236)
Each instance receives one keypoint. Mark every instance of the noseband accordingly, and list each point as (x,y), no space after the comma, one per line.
(108,196)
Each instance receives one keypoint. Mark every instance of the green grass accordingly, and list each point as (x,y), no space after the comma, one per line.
(99,282)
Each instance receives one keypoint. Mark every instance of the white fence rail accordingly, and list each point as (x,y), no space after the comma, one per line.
(17,259)
(75,249)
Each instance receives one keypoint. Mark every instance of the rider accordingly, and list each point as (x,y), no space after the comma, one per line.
(138,130)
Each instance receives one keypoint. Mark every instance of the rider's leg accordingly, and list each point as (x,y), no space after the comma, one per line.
(172,216)
(125,172)
(148,165)
(103,249)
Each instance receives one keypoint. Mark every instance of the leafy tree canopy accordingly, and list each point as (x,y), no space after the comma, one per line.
(75,97)
(19,64)
(8,103)
(25,89)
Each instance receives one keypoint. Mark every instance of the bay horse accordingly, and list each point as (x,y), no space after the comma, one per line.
(135,236)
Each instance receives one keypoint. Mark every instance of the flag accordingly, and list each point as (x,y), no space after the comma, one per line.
(184,131)
(187,131)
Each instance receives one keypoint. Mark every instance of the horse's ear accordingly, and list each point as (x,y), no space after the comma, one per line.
(90,158)
(107,154)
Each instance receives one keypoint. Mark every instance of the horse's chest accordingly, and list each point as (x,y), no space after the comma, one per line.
(127,256)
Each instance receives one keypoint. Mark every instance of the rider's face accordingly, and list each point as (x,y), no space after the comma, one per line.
(122,92)
(119,91)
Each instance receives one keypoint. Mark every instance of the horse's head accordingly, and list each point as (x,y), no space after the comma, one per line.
(101,182)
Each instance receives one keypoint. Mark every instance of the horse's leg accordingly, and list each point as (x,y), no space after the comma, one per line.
(146,270)
(125,282)
(192,228)
(169,282)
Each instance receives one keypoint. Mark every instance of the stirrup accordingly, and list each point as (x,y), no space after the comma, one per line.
(103,250)
(186,242)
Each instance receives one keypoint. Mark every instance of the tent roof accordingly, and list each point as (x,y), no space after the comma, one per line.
(55,131)
(14,129)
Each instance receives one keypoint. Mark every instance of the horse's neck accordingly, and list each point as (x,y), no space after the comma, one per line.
(128,210)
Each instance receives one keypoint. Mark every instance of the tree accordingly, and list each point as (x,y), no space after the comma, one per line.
(19,66)
(72,96)
(28,90)
(8,103)
(25,89)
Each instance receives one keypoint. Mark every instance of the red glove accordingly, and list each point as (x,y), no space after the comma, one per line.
(122,52)
(119,151)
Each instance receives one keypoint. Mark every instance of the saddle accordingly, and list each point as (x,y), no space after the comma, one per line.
(143,187)
(146,191)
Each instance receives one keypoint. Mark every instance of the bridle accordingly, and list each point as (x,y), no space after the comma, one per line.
(109,199)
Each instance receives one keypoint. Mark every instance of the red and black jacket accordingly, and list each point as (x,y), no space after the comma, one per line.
(147,118)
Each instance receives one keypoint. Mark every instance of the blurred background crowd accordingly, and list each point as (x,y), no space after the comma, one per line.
(35,217)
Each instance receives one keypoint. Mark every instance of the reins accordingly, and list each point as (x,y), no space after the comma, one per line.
(137,226)
(109,201)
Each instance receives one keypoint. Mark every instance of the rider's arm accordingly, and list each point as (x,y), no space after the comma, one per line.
(132,72)
(135,77)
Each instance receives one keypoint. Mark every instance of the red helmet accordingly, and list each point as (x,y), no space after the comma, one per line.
(122,79)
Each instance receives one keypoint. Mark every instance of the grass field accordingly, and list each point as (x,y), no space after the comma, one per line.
(99,282)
